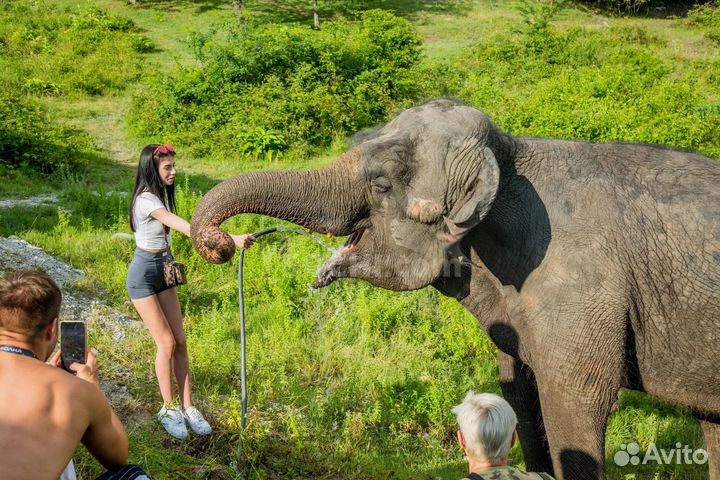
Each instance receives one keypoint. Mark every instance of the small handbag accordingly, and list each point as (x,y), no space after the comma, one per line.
(174,272)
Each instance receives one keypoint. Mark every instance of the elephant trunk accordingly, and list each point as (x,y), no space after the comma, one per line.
(328,200)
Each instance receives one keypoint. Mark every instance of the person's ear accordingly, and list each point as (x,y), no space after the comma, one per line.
(461,439)
(52,329)
(514,439)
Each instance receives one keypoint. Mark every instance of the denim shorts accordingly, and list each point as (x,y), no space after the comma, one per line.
(145,275)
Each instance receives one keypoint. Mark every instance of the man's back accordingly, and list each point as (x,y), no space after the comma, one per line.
(44,415)
(45,412)
(508,473)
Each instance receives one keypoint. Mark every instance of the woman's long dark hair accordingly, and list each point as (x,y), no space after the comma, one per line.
(148,180)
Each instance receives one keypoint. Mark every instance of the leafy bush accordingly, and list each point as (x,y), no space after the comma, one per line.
(141,44)
(587,84)
(46,50)
(29,140)
(306,85)
(708,17)
(39,86)
(259,142)
(93,19)
(67,49)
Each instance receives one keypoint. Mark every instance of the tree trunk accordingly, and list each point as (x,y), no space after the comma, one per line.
(239,5)
(316,17)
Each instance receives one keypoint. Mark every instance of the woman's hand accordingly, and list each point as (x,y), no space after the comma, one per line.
(243,241)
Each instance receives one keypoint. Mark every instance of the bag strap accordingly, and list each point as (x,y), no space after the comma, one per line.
(168,250)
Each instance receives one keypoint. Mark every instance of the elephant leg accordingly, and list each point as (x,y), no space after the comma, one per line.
(711,431)
(519,389)
(575,418)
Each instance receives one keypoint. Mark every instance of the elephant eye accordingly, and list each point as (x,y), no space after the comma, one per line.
(380,184)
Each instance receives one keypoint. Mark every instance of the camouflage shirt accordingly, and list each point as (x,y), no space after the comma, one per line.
(510,473)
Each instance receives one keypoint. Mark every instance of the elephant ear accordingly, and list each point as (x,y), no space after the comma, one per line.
(471,208)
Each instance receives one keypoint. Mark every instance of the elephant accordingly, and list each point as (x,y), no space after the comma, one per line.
(593,267)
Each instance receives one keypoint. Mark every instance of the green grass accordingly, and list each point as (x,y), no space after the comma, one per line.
(352,381)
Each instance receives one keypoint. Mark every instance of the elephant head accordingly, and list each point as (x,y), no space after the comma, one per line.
(404,194)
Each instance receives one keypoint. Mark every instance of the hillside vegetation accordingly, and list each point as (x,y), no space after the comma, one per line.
(348,382)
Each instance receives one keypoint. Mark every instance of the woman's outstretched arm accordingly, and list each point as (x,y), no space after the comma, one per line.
(171,220)
(181,225)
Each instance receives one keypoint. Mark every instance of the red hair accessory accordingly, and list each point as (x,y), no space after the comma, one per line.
(164,150)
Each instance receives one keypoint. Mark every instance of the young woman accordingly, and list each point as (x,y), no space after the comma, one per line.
(152,217)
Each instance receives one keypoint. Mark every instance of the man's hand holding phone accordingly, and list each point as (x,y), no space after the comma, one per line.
(88,370)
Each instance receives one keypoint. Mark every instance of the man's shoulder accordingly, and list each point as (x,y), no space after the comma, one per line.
(22,369)
(46,387)
(59,381)
(510,473)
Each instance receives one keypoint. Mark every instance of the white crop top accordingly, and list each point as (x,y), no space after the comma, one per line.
(149,232)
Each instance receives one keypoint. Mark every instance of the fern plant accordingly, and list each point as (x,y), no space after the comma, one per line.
(260,142)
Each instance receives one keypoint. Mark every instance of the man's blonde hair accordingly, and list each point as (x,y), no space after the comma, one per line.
(487,422)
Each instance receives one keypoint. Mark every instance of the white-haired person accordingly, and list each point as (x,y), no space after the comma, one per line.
(487,433)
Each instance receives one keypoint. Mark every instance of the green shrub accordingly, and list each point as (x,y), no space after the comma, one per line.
(708,17)
(31,141)
(141,44)
(48,50)
(64,50)
(259,142)
(587,84)
(94,19)
(39,86)
(307,86)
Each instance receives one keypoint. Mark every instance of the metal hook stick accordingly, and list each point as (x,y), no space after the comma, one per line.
(243,345)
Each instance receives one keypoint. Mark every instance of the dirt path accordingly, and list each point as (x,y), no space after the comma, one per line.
(29,202)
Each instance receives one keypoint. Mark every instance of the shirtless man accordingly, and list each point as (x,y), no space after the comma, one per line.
(45,412)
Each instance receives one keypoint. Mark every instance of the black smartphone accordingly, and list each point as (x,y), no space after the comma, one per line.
(73,343)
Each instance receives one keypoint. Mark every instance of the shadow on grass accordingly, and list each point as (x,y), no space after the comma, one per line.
(201,6)
(645,420)
(278,455)
(301,11)
(656,9)
(79,190)
(451,471)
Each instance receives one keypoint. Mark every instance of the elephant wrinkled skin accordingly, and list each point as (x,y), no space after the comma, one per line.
(591,266)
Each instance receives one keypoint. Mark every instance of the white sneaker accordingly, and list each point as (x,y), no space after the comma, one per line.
(173,421)
(196,421)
